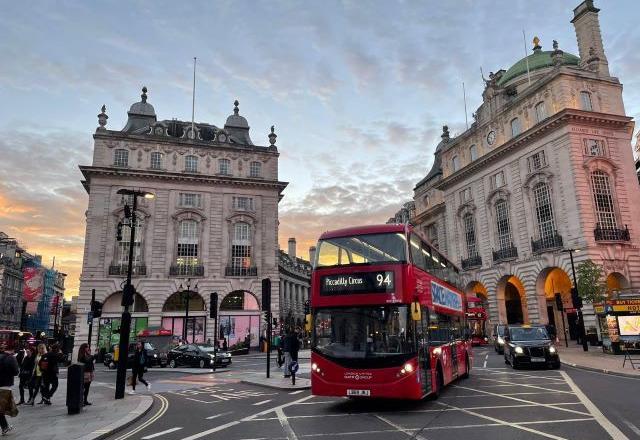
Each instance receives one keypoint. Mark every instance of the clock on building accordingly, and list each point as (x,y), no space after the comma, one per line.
(491,137)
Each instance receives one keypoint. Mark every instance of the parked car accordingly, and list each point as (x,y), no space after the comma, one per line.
(156,357)
(498,338)
(529,345)
(198,355)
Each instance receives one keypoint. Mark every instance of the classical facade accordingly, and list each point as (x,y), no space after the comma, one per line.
(546,167)
(404,214)
(11,280)
(295,282)
(212,226)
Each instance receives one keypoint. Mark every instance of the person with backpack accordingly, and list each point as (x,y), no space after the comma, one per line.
(27,369)
(140,363)
(290,347)
(8,370)
(36,380)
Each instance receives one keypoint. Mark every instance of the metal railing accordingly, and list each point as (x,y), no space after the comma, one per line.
(184,270)
(472,261)
(121,270)
(553,241)
(611,234)
(505,254)
(233,271)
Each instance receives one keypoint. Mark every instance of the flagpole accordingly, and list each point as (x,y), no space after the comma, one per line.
(526,58)
(464,94)
(193,101)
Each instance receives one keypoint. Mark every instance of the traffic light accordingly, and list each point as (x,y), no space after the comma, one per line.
(266,294)
(96,309)
(275,322)
(559,304)
(213,305)
(128,294)
(307,307)
(575,298)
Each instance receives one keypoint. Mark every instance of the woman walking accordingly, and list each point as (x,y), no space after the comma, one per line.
(36,380)
(140,362)
(85,358)
(27,369)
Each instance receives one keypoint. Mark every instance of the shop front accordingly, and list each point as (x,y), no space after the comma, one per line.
(108,326)
(239,321)
(619,321)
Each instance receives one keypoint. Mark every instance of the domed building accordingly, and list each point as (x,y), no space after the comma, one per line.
(546,169)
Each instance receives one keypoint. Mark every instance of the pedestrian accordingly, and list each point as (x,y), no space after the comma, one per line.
(27,369)
(85,358)
(290,348)
(140,361)
(277,341)
(225,346)
(50,374)
(35,386)
(8,370)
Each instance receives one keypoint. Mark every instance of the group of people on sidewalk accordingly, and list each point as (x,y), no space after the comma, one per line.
(288,347)
(38,372)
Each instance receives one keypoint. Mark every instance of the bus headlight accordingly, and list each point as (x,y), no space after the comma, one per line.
(408,368)
(437,351)
(519,350)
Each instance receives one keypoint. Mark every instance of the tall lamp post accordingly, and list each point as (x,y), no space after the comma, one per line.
(128,292)
(577,302)
(186,295)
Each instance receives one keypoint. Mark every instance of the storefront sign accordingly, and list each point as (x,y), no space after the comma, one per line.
(444,297)
(621,305)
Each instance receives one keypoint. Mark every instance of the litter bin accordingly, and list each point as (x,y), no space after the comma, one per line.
(75,385)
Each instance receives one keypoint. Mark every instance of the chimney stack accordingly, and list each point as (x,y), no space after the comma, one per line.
(312,254)
(292,248)
(590,47)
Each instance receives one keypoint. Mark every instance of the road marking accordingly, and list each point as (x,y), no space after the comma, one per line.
(526,385)
(218,415)
(632,427)
(164,405)
(486,358)
(511,372)
(201,401)
(400,428)
(262,402)
(288,430)
(158,434)
(297,392)
(606,424)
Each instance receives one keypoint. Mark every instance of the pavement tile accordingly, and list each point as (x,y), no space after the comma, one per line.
(595,359)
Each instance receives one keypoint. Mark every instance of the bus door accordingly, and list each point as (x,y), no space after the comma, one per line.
(455,335)
(454,359)
(423,352)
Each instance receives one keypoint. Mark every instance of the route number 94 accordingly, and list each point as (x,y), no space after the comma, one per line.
(384,279)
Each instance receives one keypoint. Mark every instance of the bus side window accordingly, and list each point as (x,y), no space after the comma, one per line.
(416,254)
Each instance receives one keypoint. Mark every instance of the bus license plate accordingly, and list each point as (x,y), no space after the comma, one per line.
(538,359)
(358,392)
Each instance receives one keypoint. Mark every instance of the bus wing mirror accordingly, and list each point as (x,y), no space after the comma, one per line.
(416,312)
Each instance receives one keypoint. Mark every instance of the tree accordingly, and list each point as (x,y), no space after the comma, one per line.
(591,284)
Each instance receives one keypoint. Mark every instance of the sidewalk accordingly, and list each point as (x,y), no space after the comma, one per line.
(595,360)
(105,416)
(277,381)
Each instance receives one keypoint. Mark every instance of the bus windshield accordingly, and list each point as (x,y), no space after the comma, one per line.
(362,249)
(364,332)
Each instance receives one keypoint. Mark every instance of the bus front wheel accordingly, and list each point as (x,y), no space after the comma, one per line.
(439,383)
(468,366)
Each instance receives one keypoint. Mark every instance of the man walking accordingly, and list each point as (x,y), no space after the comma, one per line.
(50,374)
(290,347)
(8,370)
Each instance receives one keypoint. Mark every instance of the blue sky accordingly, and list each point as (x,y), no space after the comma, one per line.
(358,92)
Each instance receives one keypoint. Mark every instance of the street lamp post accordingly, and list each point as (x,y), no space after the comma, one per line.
(186,294)
(128,292)
(583,335)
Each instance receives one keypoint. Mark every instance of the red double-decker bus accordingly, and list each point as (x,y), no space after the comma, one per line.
(388,317)
(477,321)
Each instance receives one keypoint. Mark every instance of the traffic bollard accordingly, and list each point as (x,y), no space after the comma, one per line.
(75,388)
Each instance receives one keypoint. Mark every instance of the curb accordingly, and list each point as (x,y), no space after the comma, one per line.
(276,387)
(141,410)
(599,370)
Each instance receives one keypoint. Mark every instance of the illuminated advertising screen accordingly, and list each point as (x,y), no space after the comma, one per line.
(629,325)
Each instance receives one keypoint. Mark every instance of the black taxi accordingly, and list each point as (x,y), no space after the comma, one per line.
(529,346)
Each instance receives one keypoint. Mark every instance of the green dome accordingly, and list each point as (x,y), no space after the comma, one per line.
(538,60)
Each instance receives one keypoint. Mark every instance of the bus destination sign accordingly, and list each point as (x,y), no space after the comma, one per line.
(445,297)
(359,282)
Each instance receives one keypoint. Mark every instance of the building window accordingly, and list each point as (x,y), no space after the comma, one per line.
(188,238)
(503,226)
(470,234)
(544,211)
(585,100)
(537,161)
(497,180)
(255,169)
(156,160)
(122,253)
(190,200)
(241,246)
(455,163)
(121,158)
(515,127)
(603,199)
(224,166)
(594,147)
(541,112)
(243,203)
(191,164)
(473,152)
(465,195)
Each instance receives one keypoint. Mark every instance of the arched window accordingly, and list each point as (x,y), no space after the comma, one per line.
(188,240)
(178,302)
(503,225)
(224,166)
(585,101)
(603,199)
(544,211)
(541,112)
(455,163)
(241,263)
(156,160)
(191,164)
(255,169)
(470,234)
(121,158)
(122,248)
(473,152)
(516,128)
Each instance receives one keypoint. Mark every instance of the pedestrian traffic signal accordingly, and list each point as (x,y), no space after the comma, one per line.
(559,304)
(275,322)
(96,309)
(266,294)
(128,294)
(307,307)
(575,298)
(213,305)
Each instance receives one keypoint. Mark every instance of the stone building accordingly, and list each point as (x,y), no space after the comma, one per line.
(212,226)
(11,280)
(546,166)
(295,282)
(404,214)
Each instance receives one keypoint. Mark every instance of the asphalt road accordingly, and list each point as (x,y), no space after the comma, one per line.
(495,402)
